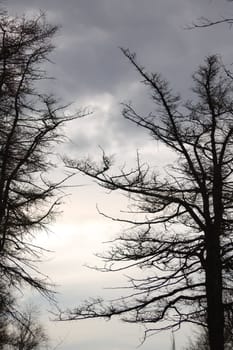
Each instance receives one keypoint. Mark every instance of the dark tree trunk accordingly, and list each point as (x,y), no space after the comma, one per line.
(215,311)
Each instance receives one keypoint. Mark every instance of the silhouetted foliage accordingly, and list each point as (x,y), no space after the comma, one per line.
(27,333)
(6,314)
(21,330)
(200,340)
(182,240)
(30,126)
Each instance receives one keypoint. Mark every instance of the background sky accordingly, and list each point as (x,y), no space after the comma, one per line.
(91,71)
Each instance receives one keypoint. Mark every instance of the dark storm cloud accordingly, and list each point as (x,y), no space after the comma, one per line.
(87,58)
(89,65)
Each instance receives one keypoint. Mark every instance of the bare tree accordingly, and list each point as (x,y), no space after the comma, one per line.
(200,339)
(27,333)
(182,240)
(30,127)
(19,329)
(6,313)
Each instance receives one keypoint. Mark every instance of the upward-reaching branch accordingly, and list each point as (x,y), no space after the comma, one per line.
(183,239)
(30,127)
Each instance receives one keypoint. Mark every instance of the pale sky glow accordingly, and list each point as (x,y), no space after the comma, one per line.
(91,72)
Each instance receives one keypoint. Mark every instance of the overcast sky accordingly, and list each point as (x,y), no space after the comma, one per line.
(91,71)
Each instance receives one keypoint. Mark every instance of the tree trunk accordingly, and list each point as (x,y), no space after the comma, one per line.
(215,311)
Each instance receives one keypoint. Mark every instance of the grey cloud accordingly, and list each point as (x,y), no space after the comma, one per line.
(87,58)
(90,70)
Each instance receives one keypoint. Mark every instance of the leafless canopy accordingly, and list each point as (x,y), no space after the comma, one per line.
(30,125)
(184,243)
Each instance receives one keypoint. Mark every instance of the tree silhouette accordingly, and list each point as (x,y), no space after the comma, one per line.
(20,329)
(200,339)
(27,333)
(182,239)
(7,303)
(30,126)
